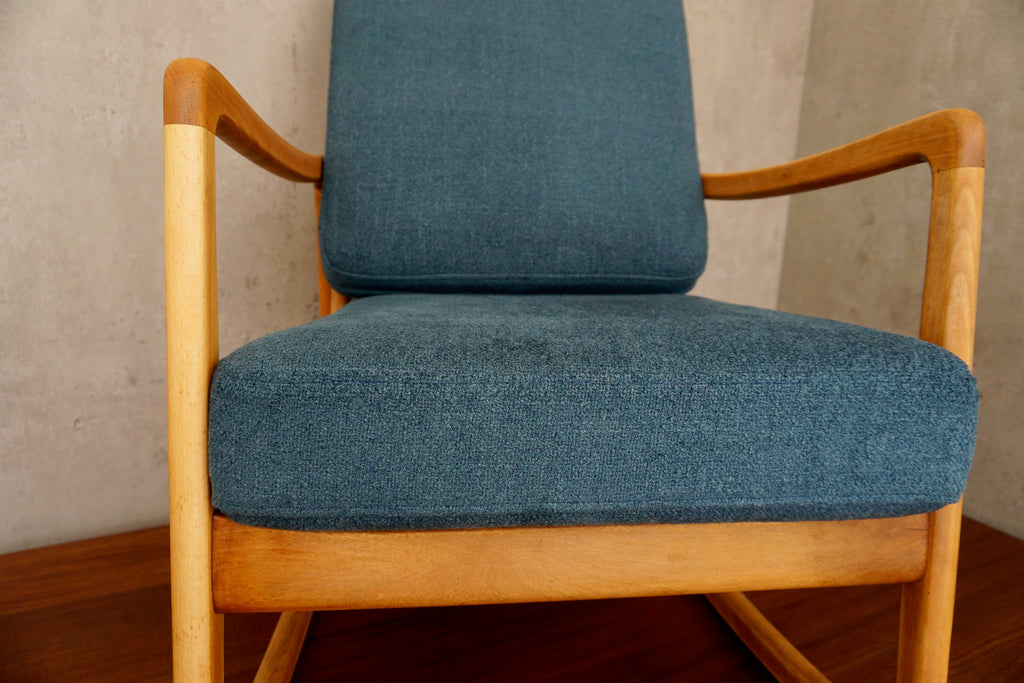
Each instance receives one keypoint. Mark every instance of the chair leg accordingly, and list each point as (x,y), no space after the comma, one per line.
(926,612)
(199,653)
(777,654)
(197,631)
(282,654)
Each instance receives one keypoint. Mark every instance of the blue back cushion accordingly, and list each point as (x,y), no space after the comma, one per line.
(511,146)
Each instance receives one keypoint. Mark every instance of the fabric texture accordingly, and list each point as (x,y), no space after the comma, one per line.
(419,411)
(512,147)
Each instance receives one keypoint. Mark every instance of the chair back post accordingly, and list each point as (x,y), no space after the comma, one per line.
(192,352)
(323,287)
(330,300)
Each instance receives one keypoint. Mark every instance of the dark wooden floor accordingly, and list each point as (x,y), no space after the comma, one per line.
(99,611)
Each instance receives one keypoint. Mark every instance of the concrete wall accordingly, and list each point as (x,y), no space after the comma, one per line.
(857,253)
(82,390)
(748,59)
(82,406)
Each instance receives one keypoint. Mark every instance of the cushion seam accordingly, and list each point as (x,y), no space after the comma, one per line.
(730,380)
(759,502)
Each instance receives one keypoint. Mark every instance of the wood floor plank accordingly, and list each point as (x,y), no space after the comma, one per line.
(850,633)
(988,626)
(56,575)
(89,640)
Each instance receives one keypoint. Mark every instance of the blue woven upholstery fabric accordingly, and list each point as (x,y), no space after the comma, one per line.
(511,147)
(419,411)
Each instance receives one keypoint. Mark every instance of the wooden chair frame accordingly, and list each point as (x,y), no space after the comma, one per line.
(220,566)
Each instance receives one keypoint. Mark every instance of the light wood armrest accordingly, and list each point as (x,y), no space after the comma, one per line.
(952,142)
(948,139)
(197,94)
(200,106)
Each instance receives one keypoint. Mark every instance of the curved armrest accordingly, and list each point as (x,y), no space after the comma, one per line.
(200,104)
(197,94)
(952,141)
(948,139)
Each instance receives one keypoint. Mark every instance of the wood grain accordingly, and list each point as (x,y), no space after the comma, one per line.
(926,608)
(850,633)
(196,94)
(778,655)
(952,142)
(948,139)
(282,654)
(950,301)
(40,578)
(111,629)
(192,354)
(272,570)
(199,105)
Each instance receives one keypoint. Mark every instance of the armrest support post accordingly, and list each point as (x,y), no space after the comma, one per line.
(200,106)
(192,351)
(950,298)
(952,142)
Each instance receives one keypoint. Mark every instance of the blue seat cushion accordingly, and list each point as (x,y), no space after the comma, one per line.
(419,411)
(511,147)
